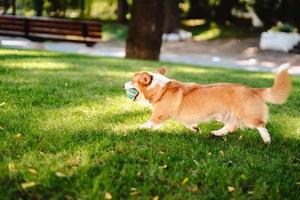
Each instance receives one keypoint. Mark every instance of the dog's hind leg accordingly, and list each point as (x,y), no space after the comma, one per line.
(264,134)
(230,124)
(193,127)
(224,130)
(221,132)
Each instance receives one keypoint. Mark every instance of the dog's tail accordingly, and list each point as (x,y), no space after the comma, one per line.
(281,88)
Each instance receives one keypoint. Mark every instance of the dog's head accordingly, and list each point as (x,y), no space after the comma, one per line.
(148,84)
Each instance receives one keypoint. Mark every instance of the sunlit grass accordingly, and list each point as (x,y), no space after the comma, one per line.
(203,31)
(67,131)
(212,33)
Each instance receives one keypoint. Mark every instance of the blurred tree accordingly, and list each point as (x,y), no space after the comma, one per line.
(145,29)
(223,11)
(14,7)
(268,10)
(199,9)
(122,11)
(272,11)
(172,14)
(290,12)
(5,6)
(38,7)
(82,8)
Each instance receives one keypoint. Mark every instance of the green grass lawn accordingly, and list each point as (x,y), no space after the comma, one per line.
(67,131)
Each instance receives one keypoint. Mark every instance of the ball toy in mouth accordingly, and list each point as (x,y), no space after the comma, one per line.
(132,93)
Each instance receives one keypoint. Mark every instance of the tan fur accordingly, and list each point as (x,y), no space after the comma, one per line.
(280,90)
(234,105)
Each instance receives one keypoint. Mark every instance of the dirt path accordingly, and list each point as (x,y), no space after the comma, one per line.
(245,51)
(229,53)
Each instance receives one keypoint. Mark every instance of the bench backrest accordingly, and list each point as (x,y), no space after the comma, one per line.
(49,27)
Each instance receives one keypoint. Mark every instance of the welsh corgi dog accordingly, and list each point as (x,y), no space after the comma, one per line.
(234,105)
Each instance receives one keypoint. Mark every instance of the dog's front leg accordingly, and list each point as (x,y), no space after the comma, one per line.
(155,121)
(193,127)
(150,125)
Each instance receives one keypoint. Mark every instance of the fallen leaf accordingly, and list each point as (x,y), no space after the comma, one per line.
(244,177)
(135,193)
(11,167)
(195,189)
(59,174)
(2,104)
(184,181)
(33,171)
(68,197)
(231,189)
(18,135)
(1,128)
(155,198)
(28,185)
(209,153)
(240,137)
(161,152)
(108,195)
(163,167)
(221,153)
(42,153)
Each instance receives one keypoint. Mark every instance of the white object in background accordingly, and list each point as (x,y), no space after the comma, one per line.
(175,37)
(279,41)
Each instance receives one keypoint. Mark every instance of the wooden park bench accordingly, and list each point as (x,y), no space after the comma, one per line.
(41,29)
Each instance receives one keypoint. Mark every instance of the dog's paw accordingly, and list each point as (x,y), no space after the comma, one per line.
(219,133)
(194,128)
(145,126)
(149,125)
(267,140)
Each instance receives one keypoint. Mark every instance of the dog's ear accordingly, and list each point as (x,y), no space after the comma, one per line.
(145,79)
(162,70)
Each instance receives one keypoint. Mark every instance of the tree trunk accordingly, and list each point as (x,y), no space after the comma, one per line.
(82,8)
(195,10)
(145,29)
(172,14)
(223,11)
(199,9)
(122,11)
(6,6)
(38,4)
(14,8)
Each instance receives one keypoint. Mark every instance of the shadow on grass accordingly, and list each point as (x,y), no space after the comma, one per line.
(134,160)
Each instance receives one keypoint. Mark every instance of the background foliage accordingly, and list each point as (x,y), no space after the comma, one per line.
(270,11)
